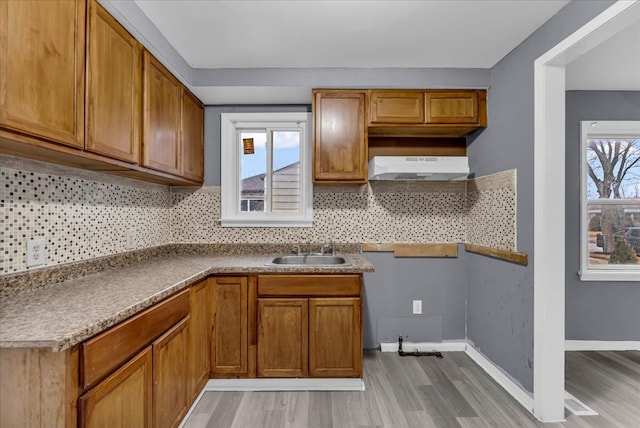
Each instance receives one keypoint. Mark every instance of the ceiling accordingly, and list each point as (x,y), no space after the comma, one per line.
(268,52)
(612,65)
(348,33)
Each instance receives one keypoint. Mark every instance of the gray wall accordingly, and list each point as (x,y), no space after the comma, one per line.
(500,294)
(595,310)
(390,290)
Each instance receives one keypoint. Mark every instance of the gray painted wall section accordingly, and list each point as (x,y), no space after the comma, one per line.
(595,310)
(345,77)
(390,290)
(500,295)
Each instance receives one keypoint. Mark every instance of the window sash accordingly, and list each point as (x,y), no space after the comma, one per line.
(605,272)
(232,126)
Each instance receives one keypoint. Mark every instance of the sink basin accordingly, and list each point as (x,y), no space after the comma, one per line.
(310,260)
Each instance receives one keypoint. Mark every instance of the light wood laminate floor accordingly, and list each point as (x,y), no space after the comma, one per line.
(428,392)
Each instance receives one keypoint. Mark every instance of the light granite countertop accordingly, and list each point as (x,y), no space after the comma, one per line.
(64,314)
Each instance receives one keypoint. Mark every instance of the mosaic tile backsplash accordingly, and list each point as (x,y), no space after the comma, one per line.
(360,216)
(491,211)
(85,214)
(80,214)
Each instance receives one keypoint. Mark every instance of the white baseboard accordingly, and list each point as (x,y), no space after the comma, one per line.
(453,346)
(285,384)
(601,345)
(516,391)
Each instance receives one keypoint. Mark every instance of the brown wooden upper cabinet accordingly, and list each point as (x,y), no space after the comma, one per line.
(192,137)
(42,69)
(161,128)
(396,107)
(455,107)
(426,113)
(114,79)
(340,137)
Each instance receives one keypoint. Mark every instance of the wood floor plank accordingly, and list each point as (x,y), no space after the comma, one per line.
(320,410)
(459,394)
(391,412)
(225,411)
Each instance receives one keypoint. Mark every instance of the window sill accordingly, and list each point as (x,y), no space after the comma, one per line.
(610,276)
(266,223)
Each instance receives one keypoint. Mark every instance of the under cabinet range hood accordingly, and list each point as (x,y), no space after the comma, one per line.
(402,168)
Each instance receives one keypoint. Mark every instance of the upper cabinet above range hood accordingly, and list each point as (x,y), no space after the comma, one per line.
(402,168)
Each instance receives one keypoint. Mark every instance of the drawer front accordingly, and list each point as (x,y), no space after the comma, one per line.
(309,285)
(104,353)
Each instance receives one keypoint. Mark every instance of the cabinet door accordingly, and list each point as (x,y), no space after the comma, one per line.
(121,400)
(198,340)
(340,137)
(396,107)
(192,135)
(229,339)
(335,337)
(42,69)
(161,129)
(114,80)
(170,379)
(452,107)
(283,338)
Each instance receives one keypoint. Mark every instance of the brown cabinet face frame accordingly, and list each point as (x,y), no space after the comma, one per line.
(122,399)
(114,88)
(161,107)
(228,299)
(42,69)
(339,137)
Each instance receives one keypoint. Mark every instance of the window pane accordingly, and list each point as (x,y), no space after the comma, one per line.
(286,172)
(253,169)
(613,234)
(613,168)
(613,174)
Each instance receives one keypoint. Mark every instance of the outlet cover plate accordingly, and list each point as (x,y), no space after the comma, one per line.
(35,252)
(417,307)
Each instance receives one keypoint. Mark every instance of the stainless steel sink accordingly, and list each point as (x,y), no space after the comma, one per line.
(310,260)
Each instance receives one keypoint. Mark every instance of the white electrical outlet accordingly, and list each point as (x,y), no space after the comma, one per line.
(35,252)
(131,239)
(417,307)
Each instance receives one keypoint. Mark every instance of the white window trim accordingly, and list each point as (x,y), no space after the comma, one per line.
(230,170)
(602,272)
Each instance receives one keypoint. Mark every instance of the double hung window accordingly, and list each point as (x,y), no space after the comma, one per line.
(266,170)
(610,235)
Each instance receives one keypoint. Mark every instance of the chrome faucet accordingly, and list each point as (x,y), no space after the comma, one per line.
(330,245)
(308,248)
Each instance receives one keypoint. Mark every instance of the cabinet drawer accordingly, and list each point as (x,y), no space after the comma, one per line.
(309,285)
(107,351)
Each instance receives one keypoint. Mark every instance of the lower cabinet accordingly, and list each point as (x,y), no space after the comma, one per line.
(123,399)
(283,338)
(129,387)
(228,314)
(170,381)
(198,340)
(309,326)
(335,337)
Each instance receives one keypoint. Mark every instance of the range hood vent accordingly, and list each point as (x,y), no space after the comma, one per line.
(418,168)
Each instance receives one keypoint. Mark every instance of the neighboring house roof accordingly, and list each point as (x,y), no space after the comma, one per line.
(255,183)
